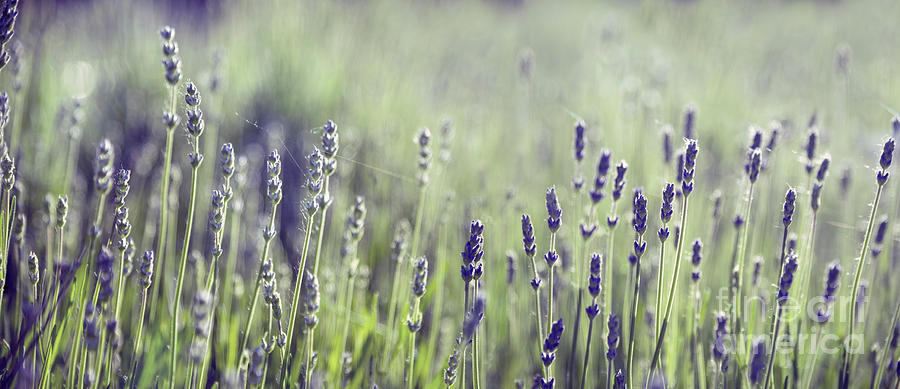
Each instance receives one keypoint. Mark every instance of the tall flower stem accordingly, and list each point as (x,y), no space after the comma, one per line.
(610,255)
(179,285)
(550,296)
(679,249)
(537,310)
(324,205)
(164,198)
(737,299)
(462,367)
(587,351)
(661,272)
(776,326)
(412,349)
(295,300)
(476,360)
(859,270)
(634,307)
(255,299)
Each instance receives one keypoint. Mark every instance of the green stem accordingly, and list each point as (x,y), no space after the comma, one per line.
(137,344)
(476,360)
(679,250)
(587,350)
(859,270)
(659,277)
(777,326)
(737,303)
(635,299)
(462,366)
(255,298)
(118,305)
(184,254)
(311,332)
(295,300)
(412,348)
(164,201)
(537,314)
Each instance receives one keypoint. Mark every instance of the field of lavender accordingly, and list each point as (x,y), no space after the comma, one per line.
(449,194)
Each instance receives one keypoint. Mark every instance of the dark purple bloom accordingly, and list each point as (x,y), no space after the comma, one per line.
(551,257)
(887,156)
(690,160)
(789,199)
(787,277)
(620,379)
(832,281)
(696,255)
(611,221)
(600,180)
(823,168)
(554,212)
(619,183)
(757,267)
(815,198)
(587,230)
(510,266)
(810,147)
(639,207)
(420,277)
(775,127)
(612,337)
(528,236)
(579,140)
(757,361)
(738,221)
(668,195)
(594,279)
(471,255)
(755,138)
(879,236)
(721,336)
(551,343)
(679,168)
(753,164)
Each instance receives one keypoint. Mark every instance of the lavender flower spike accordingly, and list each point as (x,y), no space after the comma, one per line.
(554,212)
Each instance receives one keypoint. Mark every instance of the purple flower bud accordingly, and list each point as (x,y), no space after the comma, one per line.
(528,236)
(579,140)
(612,337)
(758,361)
(789,199)
(554,213)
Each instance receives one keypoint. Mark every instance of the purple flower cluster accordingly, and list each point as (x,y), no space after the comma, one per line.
(471,268)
